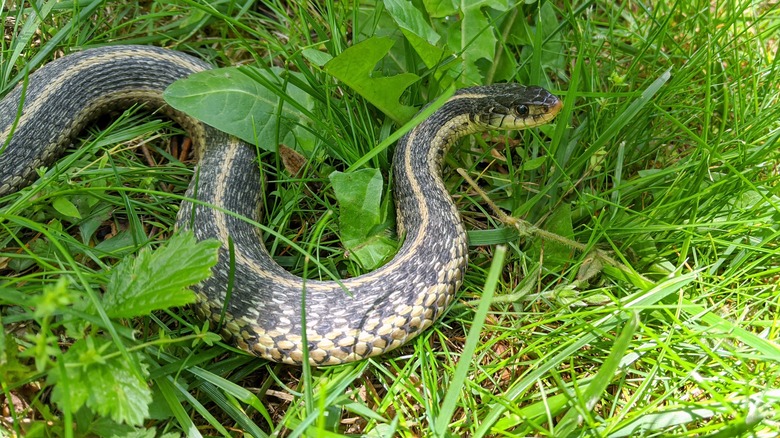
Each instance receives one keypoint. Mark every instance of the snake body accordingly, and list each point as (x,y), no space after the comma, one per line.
(344,321)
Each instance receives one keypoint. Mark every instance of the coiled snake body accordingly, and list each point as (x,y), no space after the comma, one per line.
(360,317)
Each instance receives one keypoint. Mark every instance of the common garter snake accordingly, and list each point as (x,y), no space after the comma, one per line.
(358,318)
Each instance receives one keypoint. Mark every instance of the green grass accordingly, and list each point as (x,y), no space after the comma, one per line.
(665,158)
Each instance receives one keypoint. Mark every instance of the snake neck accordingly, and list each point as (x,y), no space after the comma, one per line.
(418,163)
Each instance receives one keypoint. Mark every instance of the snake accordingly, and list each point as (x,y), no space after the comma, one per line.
(268,311)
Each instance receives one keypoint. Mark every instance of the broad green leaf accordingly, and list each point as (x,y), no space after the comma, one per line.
(359,195)
(534,163)
(102,380)
(470,32)
(355,67)
(65,207)
(316,57)
(121,244)
(429,53)
(474,37)
(372,251)
(555,254)
(540,52)
(232,100)
(411,20)
(159,279)
(97,216)
(420,34)
(441,8)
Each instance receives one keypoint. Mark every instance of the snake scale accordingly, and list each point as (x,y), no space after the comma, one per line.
(351,320)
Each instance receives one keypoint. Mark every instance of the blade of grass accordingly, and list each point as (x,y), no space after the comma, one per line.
(169,389)
(450,402)
(593,391)
(408,126)
(623,118)
(54,42)
(636,301)
(230,408)
(233,389)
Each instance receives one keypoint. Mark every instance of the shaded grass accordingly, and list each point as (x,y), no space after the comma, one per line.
(682,189)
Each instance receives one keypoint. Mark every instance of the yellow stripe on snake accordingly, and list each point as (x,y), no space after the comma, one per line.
(358,318)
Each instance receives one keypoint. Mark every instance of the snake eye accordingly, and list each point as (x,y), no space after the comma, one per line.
(522,110)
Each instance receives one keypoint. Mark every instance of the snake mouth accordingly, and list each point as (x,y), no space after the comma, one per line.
(552,111)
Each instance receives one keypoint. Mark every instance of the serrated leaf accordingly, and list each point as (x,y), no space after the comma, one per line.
(355,66)
(65,207)
(233,100)
(11,368)
(105,427)
(105,383)
(359,195)
(159,279)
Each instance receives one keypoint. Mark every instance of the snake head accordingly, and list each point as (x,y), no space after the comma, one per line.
(510,106)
